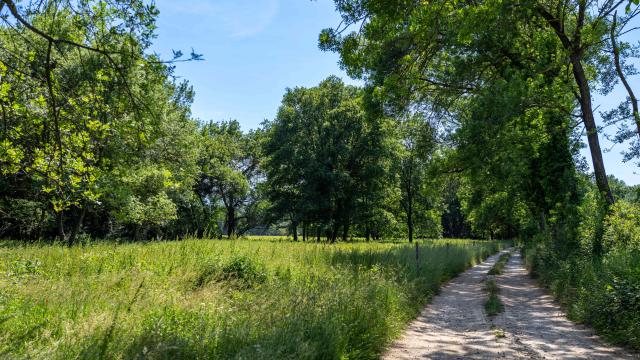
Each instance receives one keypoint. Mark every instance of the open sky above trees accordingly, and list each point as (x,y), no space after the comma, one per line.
(254,49)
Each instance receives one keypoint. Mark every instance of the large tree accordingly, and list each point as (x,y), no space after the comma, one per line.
(445,51)
(416,146)
(79,96)
(229,174)
(325,158)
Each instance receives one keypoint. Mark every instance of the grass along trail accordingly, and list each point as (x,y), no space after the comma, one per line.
(454,325)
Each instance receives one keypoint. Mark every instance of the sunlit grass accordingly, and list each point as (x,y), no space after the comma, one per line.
(218,299)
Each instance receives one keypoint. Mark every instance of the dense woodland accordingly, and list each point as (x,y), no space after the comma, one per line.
(469,124)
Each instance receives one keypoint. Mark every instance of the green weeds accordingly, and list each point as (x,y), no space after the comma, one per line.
(603,292)
(500,264)
(493,306)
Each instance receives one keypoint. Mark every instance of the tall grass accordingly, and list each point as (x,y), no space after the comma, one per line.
(218,299)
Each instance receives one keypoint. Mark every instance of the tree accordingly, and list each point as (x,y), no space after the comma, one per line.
(443,52)
(229,173)
(417,143)
(79,98)
(325,159)
(581,35)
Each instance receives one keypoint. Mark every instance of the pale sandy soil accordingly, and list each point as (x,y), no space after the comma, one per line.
(532,326)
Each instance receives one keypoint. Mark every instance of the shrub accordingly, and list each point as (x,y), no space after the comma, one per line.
(622,227)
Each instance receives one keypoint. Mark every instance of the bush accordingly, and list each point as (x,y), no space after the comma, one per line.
(622,227)
(240,271)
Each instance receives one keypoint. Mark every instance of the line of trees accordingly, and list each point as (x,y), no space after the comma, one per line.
(97,140)
(513,84)
(468,125)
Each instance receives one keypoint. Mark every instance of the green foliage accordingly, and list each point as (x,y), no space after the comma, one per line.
(87,130)
(254,299)
(327,160)
(229,175)
(241,271)
(622,227)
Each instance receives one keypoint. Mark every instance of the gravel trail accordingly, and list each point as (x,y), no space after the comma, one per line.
(532,326)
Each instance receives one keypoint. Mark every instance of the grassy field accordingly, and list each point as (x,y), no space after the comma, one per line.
(218,299)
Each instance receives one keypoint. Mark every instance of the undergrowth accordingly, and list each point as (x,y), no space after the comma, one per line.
(603,292)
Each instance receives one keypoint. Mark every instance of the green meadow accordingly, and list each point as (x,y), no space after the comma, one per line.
(218,298)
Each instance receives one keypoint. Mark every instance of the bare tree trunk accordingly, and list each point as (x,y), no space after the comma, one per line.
(410,214)
(410,226)
(334,233)
(231,223)
(304,231)
(294,229)
(345,230)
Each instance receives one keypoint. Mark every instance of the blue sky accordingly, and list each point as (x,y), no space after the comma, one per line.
(255,49)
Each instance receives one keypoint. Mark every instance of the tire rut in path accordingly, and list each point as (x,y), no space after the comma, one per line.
(454,326)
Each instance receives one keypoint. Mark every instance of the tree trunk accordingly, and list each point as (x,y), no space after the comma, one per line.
(345,230)
(60,226)
(334,233)
(304,231)
(592,131)
(231,223)
(77,226)
(367,233)
(410,217)
(294,229)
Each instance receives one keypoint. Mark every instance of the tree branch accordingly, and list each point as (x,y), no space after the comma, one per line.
(623,79)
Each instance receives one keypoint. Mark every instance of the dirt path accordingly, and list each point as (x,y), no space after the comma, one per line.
(454,325)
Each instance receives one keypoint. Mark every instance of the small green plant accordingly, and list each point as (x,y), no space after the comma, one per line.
(493,306)
(498,267)
(244,269)
(240,271)
(498,332)
(25,267)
